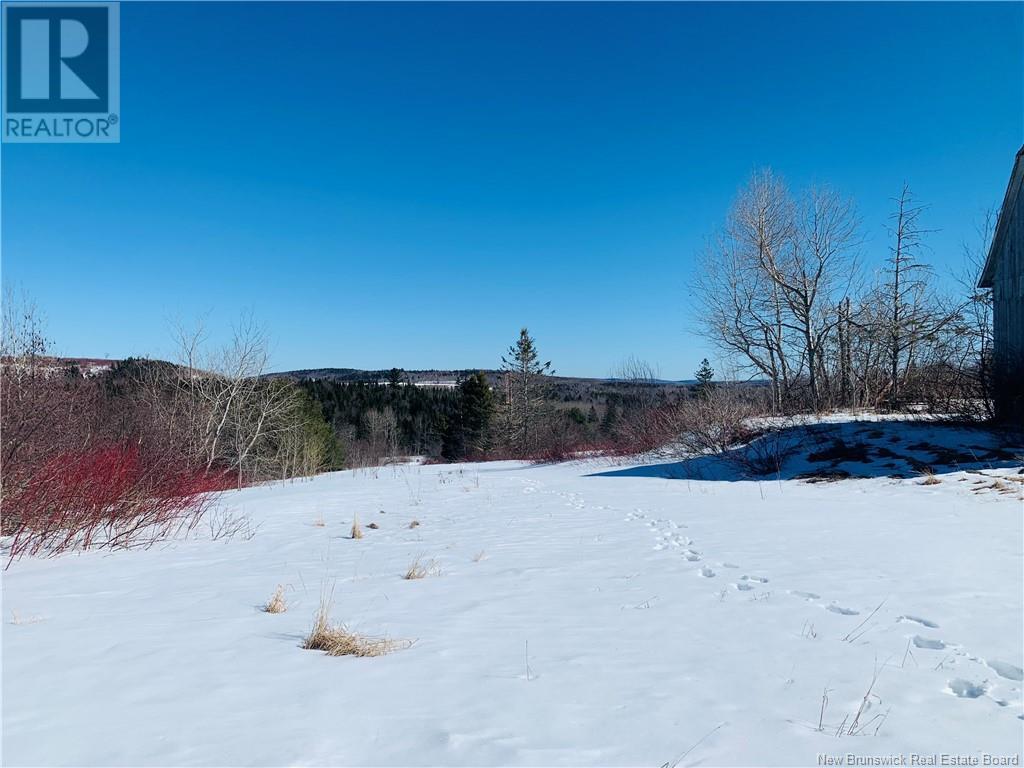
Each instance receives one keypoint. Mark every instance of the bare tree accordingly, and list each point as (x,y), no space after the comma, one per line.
(27,404)
(904,290)
(222,407)
(780,295)
(762,225)
(912,312)
(974,358)
(642,379)
(648,419)
(813,274)
(381,434)
(770,285)
(738,318)
(864,344)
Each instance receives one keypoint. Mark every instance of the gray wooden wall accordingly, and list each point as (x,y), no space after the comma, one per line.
(1008,316)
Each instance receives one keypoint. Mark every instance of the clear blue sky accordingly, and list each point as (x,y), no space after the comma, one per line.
(409,184)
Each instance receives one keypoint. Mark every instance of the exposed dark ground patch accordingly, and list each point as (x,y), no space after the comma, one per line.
(817,453)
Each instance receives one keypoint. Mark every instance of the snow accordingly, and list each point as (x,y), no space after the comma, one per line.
(618,615)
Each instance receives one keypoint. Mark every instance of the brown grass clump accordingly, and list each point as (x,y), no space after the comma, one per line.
(277,603)
(419,571)
(929,479)
(337,640)
(373,525)
(319,522)
(1000,487)
(357,532)
(414,524)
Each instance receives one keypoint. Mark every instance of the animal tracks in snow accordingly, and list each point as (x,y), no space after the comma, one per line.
(668,537)
(960,687)
(965,689)
(1003,669)
(841,610)
(573,500)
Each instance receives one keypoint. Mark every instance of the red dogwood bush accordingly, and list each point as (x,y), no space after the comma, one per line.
(108,495)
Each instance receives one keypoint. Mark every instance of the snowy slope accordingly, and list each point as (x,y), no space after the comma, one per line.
(617,616)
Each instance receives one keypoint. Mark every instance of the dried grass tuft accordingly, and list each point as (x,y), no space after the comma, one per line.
(929,479)
(338,640)
(357,532)
(277,603)
(419,571)
(414,524)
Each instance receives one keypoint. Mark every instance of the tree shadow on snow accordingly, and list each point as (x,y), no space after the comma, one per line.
(853,449)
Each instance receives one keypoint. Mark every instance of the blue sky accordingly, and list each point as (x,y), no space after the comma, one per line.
(408,185)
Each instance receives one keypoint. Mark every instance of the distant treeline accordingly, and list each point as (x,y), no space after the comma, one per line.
(481,417)
(375,420)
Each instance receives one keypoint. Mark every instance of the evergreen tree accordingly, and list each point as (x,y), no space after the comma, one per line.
(704,376)
(467,432)
(396,377)
(453,439)
(610,419)
(477,412)
(525,391)
(575,415)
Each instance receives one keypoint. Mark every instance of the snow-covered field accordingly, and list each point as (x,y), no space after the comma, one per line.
(580,614)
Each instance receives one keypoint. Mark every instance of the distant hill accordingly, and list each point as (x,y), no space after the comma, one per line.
(356,375)
(87,366)
(567,390)
(439,377)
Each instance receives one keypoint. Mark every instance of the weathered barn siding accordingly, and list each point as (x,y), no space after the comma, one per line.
(1004,274)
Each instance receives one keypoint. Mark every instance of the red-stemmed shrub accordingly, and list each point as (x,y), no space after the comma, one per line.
(106,495)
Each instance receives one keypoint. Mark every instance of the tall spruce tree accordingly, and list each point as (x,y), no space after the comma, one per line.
(704,376)
(610,419)
(525,391)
